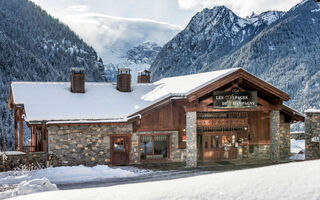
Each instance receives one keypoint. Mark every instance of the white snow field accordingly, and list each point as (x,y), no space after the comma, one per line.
(26,182)
(299,180)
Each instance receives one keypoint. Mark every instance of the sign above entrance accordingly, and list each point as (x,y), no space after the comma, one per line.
(235,99)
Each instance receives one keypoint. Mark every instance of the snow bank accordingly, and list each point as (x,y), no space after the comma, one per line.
(28,187)
(75,174)
(300,180)
(12,153)
(27,181)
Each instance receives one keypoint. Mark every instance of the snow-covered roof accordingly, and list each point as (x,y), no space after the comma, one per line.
(312,111)
(53,101)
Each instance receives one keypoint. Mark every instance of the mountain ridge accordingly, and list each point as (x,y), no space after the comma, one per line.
(283,52)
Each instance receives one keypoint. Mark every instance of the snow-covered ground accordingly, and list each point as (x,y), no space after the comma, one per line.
(297,149)
(26,182)
(299,180)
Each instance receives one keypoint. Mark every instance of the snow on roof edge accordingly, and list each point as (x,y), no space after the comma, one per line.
(297,112)
(178,95)
(312,110)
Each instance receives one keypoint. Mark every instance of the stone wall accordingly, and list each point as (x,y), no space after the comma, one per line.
(312,134)
(177,155)
(28,161)
(88,145)
(285,152)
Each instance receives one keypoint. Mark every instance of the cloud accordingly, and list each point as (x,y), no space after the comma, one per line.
(112,36)
(77,8)
(242,8)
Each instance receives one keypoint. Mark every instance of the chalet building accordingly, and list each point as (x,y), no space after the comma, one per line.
(219,115)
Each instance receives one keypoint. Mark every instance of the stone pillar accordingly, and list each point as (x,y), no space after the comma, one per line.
(275,135)
(312,134)
(284,138)
(134,148)
(191,133)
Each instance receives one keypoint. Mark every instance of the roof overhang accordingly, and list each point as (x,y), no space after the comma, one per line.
(293,115)
(240,73)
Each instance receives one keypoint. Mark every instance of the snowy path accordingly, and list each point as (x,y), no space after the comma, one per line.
(154,176)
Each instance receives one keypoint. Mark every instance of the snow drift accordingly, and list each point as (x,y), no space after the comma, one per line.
(300,180)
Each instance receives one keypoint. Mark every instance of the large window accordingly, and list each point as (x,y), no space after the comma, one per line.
(154,147)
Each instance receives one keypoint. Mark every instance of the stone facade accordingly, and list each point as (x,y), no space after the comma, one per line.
(30,161)
(284,138)
(88,144)
(191,133)
(275,135)
(312,135)
(177,155)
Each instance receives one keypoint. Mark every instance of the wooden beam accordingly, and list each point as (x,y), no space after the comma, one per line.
(33,137)
(15,126)
(10,101)
(20,129)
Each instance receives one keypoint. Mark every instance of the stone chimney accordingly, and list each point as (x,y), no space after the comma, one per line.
(124,80)
(77,80)
(144,76)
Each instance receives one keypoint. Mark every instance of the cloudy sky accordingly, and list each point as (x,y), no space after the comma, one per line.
(177,12)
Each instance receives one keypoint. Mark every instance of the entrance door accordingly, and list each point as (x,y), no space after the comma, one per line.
(217,146)
(120,150)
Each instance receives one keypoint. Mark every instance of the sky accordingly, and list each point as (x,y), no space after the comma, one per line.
(177,12)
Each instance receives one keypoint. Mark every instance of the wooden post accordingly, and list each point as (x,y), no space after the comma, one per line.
(20,129)
(33,138)
(42,137)
(15,129)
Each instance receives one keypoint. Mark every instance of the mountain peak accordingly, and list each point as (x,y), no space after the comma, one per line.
(212,17)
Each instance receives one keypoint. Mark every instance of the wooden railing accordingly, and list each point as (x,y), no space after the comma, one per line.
(28,149)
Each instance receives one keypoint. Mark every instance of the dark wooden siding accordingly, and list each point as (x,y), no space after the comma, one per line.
(259,124)
(170,117)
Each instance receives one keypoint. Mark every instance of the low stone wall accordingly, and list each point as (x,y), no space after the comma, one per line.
(297,135)
(87,145)
(312,134)
(28,161)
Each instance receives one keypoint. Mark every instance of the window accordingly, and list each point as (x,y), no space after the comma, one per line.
(153,147)
(119,145)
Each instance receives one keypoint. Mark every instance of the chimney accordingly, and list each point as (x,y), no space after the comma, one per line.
(77,80)
(144,76)
(124,80)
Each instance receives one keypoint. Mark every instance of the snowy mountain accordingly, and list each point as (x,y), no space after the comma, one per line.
(281,48)
(210,35)
(114,38)
(37,47)
(138,58)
